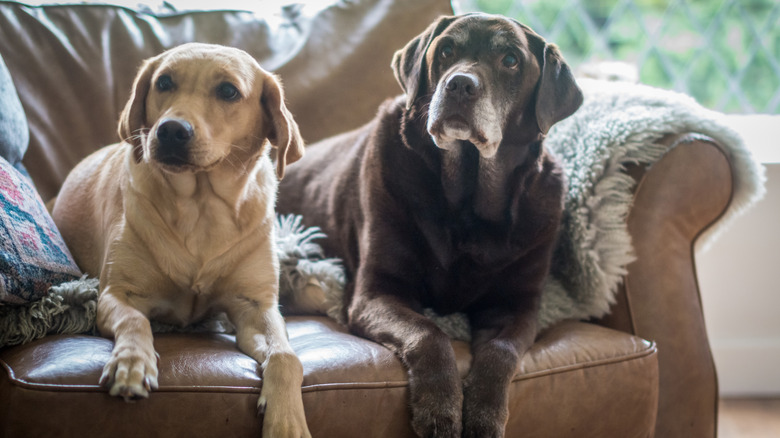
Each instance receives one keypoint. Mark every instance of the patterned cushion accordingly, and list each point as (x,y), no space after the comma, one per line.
(33,255)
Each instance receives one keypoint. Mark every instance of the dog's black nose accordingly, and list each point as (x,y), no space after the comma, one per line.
(173,136)
(174,133)
(463,86)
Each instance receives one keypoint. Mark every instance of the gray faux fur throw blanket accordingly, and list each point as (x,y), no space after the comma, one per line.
(621,123)
(618,124)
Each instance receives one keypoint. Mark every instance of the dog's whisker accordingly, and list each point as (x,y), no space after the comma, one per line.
(138,134)
(229,160)
(236,166)
(424,108)
(239,147)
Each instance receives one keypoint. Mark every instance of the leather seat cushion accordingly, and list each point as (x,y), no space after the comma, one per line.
(582,379)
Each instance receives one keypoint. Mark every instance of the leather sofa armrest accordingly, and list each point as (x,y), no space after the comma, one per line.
(675,201)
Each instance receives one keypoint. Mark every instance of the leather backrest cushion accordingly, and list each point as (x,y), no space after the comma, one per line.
(73,65)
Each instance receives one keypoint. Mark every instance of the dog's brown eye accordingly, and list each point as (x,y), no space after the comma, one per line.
(227,91)
(164,83)
(509,61)
(446,51)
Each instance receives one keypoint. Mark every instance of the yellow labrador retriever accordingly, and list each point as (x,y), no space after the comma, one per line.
(177,220)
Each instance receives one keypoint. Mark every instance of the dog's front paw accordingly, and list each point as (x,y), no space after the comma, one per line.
(437,420)
(282,421)
(130,373)
(482,428)
(483,420)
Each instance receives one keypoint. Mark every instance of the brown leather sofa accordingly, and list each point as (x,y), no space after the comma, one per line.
(645,370)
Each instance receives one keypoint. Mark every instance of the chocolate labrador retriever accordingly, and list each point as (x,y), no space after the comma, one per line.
(448,200)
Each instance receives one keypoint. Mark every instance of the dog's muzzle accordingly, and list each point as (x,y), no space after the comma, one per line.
(460,111)
(173,137)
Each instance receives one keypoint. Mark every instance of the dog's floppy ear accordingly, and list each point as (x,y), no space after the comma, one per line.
(408,63)
(133,117)
(283,132)
(558,96)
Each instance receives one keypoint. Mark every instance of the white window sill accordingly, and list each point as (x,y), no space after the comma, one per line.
(761,134)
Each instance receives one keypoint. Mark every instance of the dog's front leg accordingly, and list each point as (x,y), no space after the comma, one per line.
(261,333)
(435,389)
(499,339)
(131,371)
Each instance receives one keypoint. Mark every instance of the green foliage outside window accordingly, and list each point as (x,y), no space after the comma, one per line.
(725,53)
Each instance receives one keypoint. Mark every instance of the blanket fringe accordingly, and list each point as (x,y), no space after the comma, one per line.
(69,308)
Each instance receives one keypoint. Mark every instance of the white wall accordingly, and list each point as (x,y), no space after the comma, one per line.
(739,277)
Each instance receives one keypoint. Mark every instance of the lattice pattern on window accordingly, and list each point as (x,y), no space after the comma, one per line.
(725,53)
